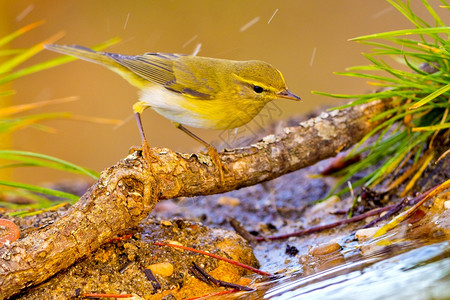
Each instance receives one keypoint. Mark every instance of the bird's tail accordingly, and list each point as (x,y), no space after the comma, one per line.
(83,53)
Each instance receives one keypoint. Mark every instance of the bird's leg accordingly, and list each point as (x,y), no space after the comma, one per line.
(212,152)
(138,108)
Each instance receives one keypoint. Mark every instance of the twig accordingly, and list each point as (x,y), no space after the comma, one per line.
(126,266)
(149,274)
(233,262)
(120,238)
(319,228)
(442,156)
(393,209)
(399,206)
(338,163)
(199,275)
(237,226)
(217,282)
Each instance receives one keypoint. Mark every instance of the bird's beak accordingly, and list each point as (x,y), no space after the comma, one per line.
(288,95)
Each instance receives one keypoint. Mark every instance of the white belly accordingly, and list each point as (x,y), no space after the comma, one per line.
(175,107)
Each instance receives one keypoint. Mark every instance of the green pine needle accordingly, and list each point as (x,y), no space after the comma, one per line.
(39,189)
(421,95)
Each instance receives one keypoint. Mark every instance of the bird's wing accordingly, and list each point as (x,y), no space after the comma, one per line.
(159,69)
(154,67)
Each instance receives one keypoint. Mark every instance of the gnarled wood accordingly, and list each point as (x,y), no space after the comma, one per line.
(127,192)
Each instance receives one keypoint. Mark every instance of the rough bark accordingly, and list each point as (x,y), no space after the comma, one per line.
(127,192)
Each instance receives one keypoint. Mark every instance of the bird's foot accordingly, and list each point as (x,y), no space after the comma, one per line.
(146,153)
(212,152)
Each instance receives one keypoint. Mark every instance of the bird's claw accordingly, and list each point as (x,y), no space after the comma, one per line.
(212,152)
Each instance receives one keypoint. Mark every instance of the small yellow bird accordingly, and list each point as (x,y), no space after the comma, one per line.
(191,90)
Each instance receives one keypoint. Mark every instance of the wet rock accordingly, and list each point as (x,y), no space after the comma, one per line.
(164,269)
(325,249)
(365,233)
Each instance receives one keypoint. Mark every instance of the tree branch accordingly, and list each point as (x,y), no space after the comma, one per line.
(127,192)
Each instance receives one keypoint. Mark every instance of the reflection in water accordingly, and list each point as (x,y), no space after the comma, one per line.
(422,273)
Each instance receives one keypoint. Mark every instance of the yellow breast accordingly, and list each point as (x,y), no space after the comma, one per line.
(209,114)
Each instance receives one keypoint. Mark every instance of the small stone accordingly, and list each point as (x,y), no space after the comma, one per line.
(166,223)
(291,250)
(325,249)
(447,204)
(228,201)
(366,233)
(176,244)
(164,269)
(9,231)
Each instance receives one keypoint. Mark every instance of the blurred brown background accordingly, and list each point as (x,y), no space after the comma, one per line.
(306,40)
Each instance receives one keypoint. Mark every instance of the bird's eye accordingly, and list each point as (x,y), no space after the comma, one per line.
(258,89)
